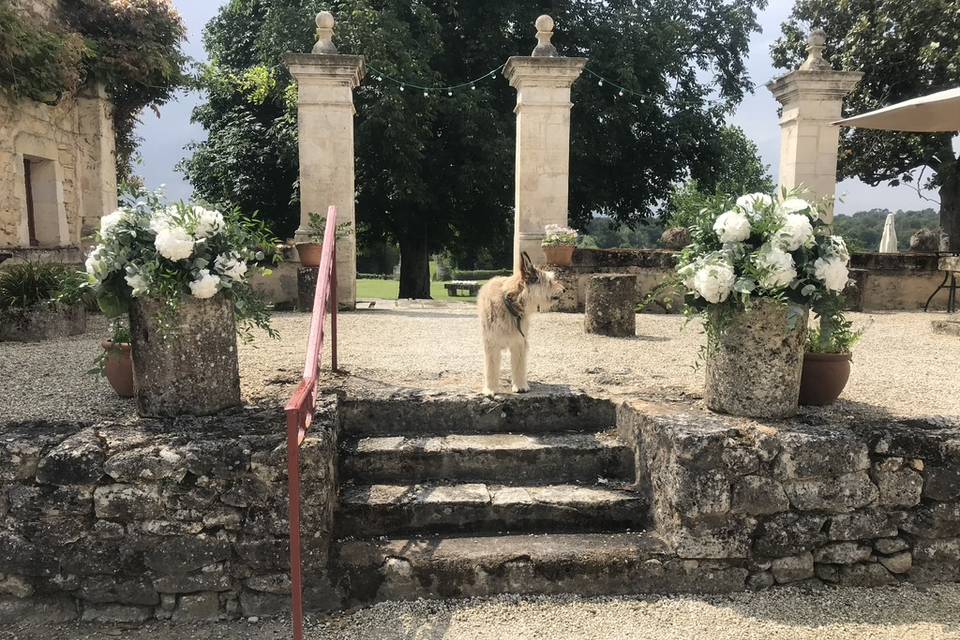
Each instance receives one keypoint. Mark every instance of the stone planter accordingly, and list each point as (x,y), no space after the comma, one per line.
(611,305)
(824,377)
(118,367)
(559,255)
(34,325)
(754,370)
(192,372)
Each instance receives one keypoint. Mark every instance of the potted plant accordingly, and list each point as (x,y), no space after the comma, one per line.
(558,244)
(181,272)
(115,362)
(309,252)
(753,269)
(826,363)
(39,301)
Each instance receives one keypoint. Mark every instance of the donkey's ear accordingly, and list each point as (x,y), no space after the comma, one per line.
(527,270)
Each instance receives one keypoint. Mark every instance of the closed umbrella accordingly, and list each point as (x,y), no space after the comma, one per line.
(937,112)
(888,242)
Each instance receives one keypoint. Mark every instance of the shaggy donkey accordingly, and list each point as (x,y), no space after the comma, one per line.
(505,305)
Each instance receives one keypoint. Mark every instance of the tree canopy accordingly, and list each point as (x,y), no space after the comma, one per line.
(905,50)
(436,172)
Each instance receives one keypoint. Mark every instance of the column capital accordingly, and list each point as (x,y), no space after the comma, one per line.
(543,71)
(319,67)
(813,84)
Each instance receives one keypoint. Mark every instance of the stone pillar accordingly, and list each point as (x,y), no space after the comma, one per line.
(611,305)
(98,158)
(542,81)
(325,113)
(811,98)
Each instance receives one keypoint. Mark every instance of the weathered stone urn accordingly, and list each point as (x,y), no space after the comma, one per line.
(754,368)
(191,370)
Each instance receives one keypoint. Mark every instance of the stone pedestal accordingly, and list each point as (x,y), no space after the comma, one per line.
(754,368)
(542,81)
(325,111)
(811,98)
(306,287)
(186,364)
(611,305)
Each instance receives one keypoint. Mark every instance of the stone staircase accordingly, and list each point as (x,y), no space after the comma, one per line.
(469,496)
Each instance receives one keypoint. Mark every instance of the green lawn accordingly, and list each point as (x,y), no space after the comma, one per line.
(388,290)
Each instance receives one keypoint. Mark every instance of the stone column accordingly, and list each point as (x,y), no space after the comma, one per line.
(325,81)
(811,98)
(542,81)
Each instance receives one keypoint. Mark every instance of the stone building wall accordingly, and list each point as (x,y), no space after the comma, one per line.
(71,149)
(856,502)
(884,282)
(184,519)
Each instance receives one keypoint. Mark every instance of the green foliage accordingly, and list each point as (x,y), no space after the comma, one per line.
(905,50)
(437,173)
(34,284)
(835,332)
(133,47)
(480,274)
(863,229)
(317,228)
(740,170)
(606,233)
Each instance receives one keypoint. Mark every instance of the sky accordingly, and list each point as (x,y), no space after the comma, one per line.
(164,138)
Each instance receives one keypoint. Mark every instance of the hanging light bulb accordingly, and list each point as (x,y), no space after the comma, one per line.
(473,87)
(379,78)
(600,83)
(621,92)
(449,93)
(425,95)
(493,75)
(401,87)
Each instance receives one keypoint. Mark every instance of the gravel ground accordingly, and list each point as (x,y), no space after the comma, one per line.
(782,614)
(901,367)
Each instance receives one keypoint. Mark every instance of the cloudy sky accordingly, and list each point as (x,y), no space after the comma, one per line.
(164,138)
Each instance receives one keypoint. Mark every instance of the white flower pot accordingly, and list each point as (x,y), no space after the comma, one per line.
(754,368)
(193,371)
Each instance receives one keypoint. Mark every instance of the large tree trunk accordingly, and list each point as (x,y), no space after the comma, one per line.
(415,265)
(950,202)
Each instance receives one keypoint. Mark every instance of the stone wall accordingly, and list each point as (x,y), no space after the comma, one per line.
(183,519)
(884,282)
(851,503)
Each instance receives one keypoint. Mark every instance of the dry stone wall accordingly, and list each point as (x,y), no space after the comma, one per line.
(858,503)
(123,522)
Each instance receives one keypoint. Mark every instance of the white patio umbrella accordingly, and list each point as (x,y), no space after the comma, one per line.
(888,241)
(937,112)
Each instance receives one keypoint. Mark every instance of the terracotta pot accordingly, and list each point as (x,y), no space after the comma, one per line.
(824,377)
(559,255)
(309,253)
(118,367)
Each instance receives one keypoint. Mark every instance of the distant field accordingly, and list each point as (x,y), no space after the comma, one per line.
(389,289)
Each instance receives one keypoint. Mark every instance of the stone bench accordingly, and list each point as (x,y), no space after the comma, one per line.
(611,305)
(454,287)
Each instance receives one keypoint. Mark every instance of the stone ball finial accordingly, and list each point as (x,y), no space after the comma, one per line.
(544,26)
(816,42)
(325,24)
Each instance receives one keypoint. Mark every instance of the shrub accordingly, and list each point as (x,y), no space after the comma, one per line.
(34,284)
(480,274)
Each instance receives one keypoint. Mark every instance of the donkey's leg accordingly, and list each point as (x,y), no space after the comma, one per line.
(518,366)
(491,373)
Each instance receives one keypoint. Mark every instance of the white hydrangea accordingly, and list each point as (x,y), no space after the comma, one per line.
(231,266)
(714,281)
(205,285)
(795,232)
(208,222)
(794,205)
(838,247)
(163,220)
(174,243)
(686,274)
(732,226)
(95,265)
(754,202)
(832,272)
(136,282)
(109,221)
(777,267)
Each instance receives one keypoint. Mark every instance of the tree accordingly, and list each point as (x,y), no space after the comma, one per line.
(905,50)
(436,172)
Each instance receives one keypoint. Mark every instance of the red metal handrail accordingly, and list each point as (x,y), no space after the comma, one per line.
(301,406)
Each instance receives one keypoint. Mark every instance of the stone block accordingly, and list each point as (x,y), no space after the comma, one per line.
(15,586)
(181,555)
(116,613)
(898,563)
(898,483)
(731,540)
(265,554)
(756,495)
(198,607)
(843,553)
(257,603)
(820,453)
(946,551)
(792,568)
(217,458)
(269,583)
(869,574)
(860,525)
(216,577)
(611,305)
(698,493)
(938,520)
(39,610)
(77,460)
(108,589)
(21,557)
(150,463)
(789,534)
(760,580)
(827,572)
(890,545)
(941,483)
(126,502)
(837,494)
(246,491)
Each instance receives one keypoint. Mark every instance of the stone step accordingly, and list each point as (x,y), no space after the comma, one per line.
(412,412)
(503,458)
(390,509)
(581,563)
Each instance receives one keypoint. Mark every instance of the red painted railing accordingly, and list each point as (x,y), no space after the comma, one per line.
(300,409)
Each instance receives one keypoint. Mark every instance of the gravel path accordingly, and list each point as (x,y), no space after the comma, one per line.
(782,614)
(901,367)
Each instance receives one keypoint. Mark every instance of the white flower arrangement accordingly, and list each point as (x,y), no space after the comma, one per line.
(148,249)
(558,236)
(759,246)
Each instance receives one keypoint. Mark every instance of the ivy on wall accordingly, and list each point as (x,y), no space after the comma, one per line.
(131,46)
